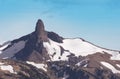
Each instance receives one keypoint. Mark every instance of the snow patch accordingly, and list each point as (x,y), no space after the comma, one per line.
(82,62)
(40,66)
(3,47)
(111,67)
(1,63)
(64,55)
(7,68)
(78,47)
(118,65)
(54,51)
(5,58)
(83,48)
(115,55)
(85,65)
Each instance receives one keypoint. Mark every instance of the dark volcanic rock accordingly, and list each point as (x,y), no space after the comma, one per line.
(62,70)
(34,49)
(40,31)
(55,37)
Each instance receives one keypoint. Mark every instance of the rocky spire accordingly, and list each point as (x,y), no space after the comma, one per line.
(40,31)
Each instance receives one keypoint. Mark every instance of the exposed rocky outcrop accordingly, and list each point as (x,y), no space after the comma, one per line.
(21,69)
(40,32)
(55,37)
(62,70)
(58,58)
(34,49)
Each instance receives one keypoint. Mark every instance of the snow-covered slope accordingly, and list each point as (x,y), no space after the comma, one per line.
(39,66)
(59,57)
(111,67)
(58,48)
(78,47)
(55,52)
(61,51)
(5,45)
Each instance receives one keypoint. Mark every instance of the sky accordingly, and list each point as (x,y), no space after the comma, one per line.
(97,21)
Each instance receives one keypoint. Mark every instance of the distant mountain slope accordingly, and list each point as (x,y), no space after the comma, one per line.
(63,58)
(10,69)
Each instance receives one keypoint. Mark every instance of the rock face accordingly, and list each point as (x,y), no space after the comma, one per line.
(34,49)
(55,37)
(40,31)
(20,70)
(63,71)
(58,57)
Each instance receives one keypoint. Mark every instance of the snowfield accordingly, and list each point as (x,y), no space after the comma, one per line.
(81,62)
(61,51)
(39,66)
(7,68)
(78,47)
(54,51)
(118,65)
(3,47)
(109,66)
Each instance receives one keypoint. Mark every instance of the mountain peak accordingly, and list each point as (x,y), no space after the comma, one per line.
(39,24)
(56,57)
(40,30)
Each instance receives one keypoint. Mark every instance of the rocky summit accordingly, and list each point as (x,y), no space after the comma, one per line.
(40,31)
(46,55)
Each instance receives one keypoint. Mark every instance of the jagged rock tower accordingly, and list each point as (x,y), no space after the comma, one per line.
(34,49)
(31,47)
(40,31)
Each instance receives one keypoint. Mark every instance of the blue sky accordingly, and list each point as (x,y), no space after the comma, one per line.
(97,21)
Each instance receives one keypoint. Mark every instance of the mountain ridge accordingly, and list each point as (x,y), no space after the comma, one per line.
(63,58)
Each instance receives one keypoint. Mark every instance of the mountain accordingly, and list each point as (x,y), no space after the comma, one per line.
(62,58)
(10,69)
